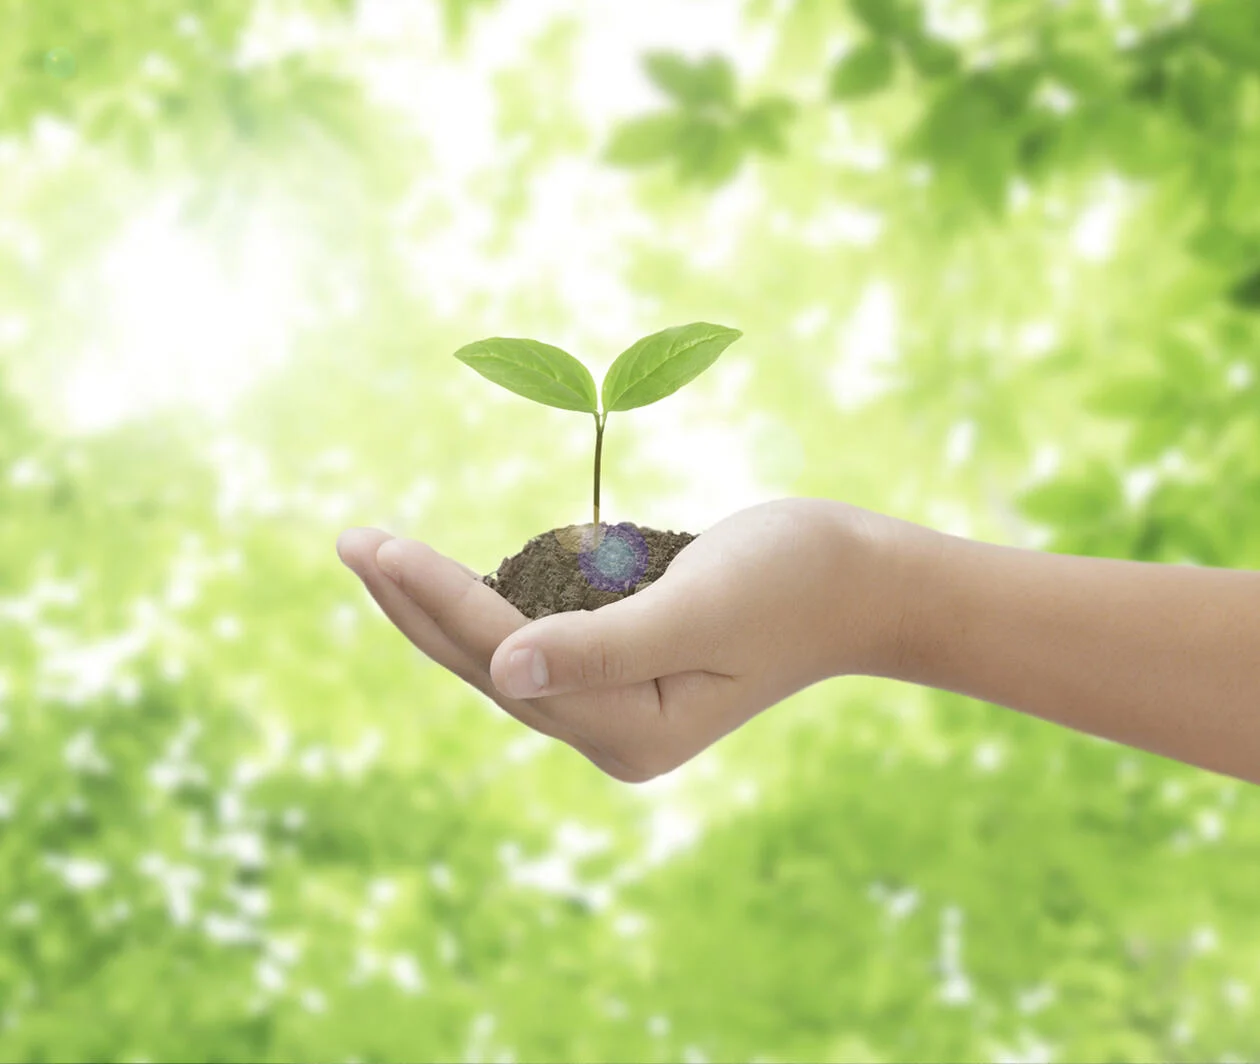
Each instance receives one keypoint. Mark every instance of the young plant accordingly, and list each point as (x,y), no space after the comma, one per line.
(650,369)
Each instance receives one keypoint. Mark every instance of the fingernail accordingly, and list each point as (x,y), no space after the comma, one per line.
(341,546)
(388,561)
(526,673)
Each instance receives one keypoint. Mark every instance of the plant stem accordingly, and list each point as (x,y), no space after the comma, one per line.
(599,447)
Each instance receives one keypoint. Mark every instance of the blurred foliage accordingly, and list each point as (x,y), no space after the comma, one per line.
(707,133)
(240,818)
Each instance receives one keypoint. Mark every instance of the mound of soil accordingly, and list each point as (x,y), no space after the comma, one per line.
(583,567)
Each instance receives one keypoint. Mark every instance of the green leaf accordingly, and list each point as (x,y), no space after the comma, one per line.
(932,57)
(1197,95)
(1086,499)
(646,140)
(708,152)
(1082,74)
(1245,293)
(1190,376)
(1231,30)
(863,71)
(968,139)
(660,364)
(1035,150)
(1153,435)
(888,18)
(958,115)
(763,124)
(535,370)
(708,82)
(1011,87)
(1129,398)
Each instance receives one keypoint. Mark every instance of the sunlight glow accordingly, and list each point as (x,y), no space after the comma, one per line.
(1093,236)
(870,344)
(184,321)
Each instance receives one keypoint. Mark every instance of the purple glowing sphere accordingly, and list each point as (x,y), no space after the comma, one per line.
(618,562)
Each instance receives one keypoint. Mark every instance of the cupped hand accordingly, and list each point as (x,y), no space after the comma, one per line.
(765,603)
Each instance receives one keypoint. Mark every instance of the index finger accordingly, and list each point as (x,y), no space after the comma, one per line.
(476,619)
(473,616)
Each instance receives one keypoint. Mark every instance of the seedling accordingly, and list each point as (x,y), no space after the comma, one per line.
(650,369)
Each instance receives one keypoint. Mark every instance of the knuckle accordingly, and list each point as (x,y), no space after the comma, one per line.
(601,664)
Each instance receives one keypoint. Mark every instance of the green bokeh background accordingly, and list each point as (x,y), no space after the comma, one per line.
(998,270)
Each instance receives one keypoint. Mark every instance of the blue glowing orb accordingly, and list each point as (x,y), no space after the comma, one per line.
(618,562)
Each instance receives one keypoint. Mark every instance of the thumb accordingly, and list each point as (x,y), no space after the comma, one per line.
(652,633)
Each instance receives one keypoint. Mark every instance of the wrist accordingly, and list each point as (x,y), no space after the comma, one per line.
(920,573)
(880,593)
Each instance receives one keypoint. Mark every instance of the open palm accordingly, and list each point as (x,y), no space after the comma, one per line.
(459,622)
(744,616)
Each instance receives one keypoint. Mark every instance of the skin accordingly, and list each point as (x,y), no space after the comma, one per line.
(1164,658)
(787,593)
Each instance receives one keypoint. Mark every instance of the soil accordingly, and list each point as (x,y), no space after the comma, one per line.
(583,567)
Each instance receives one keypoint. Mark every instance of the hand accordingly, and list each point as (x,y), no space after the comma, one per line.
(765,603)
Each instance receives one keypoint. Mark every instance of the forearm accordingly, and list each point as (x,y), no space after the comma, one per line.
(1165,658)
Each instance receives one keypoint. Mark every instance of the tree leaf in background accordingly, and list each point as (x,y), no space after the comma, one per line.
(1037,148)
(967,136)
(1231,29)
(646,140)
(932,57)
(1196,92)
(659,364)
(708,152)
(1154,435)
(535,370)
(1246,292)
(985,169)
(957,115)
(1011,86)
(1130,398)
(888,18)
(1227,246)
(1187,370)
(457,16)
(865,70)
(1149,83)
(707,82)
(1079,501)
(1083,75)
(763,125)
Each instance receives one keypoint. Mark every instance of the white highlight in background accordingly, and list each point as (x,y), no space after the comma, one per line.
(180,323)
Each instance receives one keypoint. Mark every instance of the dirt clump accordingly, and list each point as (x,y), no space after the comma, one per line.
(583,567)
